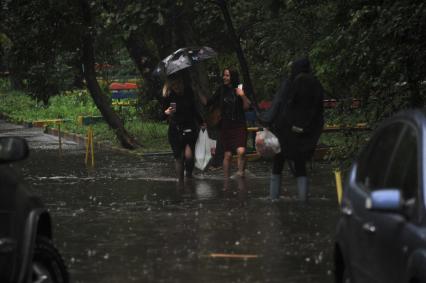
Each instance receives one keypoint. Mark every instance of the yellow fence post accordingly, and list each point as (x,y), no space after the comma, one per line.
(45,123)
(86,158)
(60,138)
(92,146)
(339,187)
(89,146)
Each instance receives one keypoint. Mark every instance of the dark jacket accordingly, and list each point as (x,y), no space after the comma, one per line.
(278,106)
(304,110)
(231,105)
(186,115)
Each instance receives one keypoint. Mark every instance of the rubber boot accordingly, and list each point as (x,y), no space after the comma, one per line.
(179,169)
(303,188)
(275,186)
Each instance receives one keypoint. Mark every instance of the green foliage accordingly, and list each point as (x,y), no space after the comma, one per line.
(372,50)
(377,55)
(20,107)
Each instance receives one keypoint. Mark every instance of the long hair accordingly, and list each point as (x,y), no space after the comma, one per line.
(166,89)
(235,77)
(167,83)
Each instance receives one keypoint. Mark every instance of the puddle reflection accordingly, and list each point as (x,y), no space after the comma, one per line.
(129,220)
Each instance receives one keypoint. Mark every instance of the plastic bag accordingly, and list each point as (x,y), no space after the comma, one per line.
(267,144)
(203,149)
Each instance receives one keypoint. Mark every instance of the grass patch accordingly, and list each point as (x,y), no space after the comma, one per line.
(20,107)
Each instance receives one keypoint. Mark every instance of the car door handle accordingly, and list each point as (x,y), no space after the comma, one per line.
(346,211)
(369,228)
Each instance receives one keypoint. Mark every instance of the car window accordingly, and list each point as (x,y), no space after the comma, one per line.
(403,171)
(375,158)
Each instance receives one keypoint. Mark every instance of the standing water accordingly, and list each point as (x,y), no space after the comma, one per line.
(127,219)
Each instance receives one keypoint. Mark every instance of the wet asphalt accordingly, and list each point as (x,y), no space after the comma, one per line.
(127,219)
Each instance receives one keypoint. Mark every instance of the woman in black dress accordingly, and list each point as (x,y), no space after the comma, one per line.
(184,120)
(233,129)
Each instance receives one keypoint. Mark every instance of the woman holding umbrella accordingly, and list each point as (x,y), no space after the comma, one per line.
(179,107)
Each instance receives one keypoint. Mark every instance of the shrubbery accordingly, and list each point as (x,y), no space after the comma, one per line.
(20,107)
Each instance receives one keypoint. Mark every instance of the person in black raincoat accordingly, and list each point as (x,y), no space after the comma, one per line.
(296,118)
(184,121)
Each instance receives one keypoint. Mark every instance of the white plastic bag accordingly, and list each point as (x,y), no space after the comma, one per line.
(267,144)
(203,149)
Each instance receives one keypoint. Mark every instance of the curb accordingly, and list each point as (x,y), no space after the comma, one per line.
(320,153)
(81,139)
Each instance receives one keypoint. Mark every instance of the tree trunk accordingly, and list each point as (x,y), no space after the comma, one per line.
(184,34)
(78,75)
(15,73)
(248,87)
(144,61)
(99,98)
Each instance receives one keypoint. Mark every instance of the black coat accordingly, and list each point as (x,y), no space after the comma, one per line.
(231,105)
(269,117)
(304,109)
(187,115)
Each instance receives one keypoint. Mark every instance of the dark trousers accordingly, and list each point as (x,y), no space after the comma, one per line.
(298,170)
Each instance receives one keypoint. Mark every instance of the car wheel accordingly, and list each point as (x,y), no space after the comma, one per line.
(48,265)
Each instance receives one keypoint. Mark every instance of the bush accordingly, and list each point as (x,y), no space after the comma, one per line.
(20,107)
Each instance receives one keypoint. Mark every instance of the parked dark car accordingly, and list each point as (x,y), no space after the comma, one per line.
(27,253)
(381,234)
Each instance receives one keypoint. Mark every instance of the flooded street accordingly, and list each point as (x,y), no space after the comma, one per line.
(126,220)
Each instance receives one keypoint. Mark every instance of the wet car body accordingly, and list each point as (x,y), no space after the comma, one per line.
(381,233)
(27,253)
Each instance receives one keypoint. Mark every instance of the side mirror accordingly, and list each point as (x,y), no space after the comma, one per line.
(385,200)
(13,149)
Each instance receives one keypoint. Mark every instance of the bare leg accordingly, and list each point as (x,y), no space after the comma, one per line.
(241,152)
(227,164)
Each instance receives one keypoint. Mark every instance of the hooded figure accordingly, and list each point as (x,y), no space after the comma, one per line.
(298,125)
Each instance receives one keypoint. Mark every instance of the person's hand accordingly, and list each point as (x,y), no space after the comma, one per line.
(169,111)
(239,92)
(296,129)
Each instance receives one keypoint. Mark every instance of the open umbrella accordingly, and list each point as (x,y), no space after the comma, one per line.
(183,58)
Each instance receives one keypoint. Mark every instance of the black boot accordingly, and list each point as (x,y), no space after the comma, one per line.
(189,167)
(179,169)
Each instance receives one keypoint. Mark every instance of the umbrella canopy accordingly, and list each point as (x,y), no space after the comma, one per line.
(183,58)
